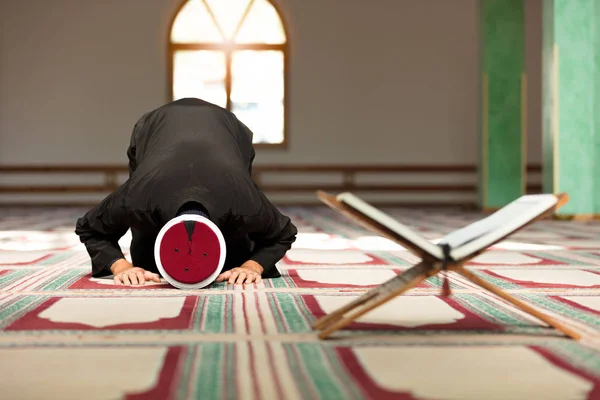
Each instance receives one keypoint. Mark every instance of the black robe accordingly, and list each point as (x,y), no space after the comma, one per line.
(188,151)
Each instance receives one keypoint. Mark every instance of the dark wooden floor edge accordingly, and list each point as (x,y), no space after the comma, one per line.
(468,206)
(264,167)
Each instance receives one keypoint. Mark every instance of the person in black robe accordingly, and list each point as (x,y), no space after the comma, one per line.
(187,154)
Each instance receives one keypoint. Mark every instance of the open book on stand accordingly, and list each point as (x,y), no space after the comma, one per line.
(450,253)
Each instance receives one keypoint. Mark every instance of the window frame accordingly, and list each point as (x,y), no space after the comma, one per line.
(228,47)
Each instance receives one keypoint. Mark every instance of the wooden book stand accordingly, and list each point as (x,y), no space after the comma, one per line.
(410,278)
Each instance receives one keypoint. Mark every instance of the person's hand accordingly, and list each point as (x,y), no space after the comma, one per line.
(135,276)
(248,272)
(126,274)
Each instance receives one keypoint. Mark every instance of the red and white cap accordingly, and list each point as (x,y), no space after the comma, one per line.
(190,251)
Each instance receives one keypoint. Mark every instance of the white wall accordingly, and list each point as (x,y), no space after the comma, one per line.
(389,82)
(75,75)
(385,81)
(533,69)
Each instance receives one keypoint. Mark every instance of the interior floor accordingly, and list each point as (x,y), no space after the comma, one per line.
(90,339)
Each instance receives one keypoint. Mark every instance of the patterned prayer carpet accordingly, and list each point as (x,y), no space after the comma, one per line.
(64,335)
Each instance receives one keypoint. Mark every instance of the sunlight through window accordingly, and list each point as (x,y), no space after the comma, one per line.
(232,53)
(200,71)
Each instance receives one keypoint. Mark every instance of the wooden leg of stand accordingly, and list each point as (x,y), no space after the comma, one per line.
(396,281)
(339,313)
(395,286)
(523,306)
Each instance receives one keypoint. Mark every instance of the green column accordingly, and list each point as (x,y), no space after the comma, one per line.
(571,87)
(502,170)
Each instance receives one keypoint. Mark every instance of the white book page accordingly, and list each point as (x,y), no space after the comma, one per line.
(485,232)
(384,219)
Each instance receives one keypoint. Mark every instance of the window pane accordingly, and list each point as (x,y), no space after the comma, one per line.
(201,74)
(194,24)
(228,14)
(257,93)
(262,25)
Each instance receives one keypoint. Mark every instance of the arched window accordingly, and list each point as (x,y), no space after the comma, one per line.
(233,53)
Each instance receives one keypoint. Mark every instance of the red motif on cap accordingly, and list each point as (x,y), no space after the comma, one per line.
(190,251)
